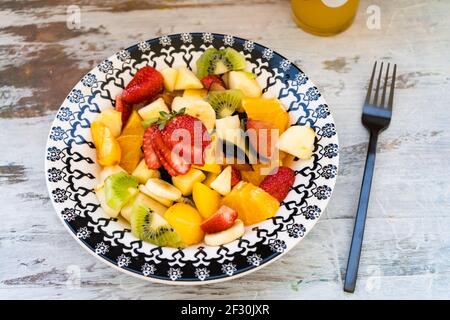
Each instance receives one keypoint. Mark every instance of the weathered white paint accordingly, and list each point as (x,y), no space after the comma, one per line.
(407,244)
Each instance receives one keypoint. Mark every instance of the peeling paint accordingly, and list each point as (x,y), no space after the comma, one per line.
(12,173)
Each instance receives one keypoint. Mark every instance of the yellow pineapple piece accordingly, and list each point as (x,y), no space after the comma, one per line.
(133,126)
(107,148)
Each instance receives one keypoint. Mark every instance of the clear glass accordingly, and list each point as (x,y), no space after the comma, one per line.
(324,17)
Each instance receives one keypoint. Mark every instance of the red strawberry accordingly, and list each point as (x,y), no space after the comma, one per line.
(174,134)
(221,220)
(150,155)
(173,163)
(164,163)
(261,136)
(124,108)
(145,85)
(235,176)
(279,183)
(213,83)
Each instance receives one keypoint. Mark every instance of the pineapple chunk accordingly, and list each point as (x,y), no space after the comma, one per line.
(170,77)
(111,119)
(222,183)
(143,173)
(152,110)
(186,79)
(185,182)
(298,141)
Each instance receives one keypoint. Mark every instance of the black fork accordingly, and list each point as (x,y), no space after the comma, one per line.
(376,117)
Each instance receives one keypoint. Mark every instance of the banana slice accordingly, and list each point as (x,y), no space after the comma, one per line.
(163,189)
(226,236)
(165,202)
(197,108)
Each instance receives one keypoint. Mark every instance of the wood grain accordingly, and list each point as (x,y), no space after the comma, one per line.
(406,247)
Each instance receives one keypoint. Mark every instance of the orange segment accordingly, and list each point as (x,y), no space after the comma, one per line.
(253,204)
(107,147)
(131,151)
(186,221)
(134,126)
(97,132)
(269,110)
(264,206)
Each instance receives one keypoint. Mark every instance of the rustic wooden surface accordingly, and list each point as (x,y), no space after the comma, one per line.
(407,244)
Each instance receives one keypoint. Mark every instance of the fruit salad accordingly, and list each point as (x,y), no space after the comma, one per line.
(193,157)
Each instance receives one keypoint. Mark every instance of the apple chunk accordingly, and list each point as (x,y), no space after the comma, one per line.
(222,184)
(243,81)
(298,141)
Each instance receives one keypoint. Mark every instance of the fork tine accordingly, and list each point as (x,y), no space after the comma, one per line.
(378,85)
(385,85)
(391,94)
(369,90)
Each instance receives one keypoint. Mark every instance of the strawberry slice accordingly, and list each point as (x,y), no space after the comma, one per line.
(235,176)
(213,83)
(173,163)
(197,136)
(124,108)
(146,84)
(171,171)
(279,183)
(221,220)
(150,155)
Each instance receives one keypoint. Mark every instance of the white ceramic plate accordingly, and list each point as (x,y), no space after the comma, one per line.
(72,169)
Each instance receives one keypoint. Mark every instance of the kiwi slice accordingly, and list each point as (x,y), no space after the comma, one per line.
(225,102)
(207,62)
(149,226)
(214,61)
(233,59)
(119,189)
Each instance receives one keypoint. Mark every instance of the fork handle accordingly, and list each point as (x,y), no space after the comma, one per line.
(358,231)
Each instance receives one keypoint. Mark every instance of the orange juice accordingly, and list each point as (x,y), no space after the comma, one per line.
(324,17)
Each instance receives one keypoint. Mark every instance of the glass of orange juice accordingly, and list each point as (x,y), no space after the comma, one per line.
(324,17)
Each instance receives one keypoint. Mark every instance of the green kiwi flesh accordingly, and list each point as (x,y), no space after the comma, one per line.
(207,62)
(119,189)
(225,102)
(149,226)
(233,59)
(214,61)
